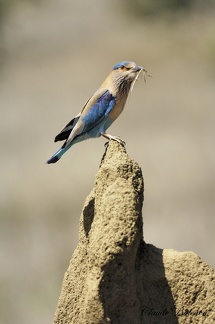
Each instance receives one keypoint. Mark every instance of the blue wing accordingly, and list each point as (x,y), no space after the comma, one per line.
(98,111)
(91,115)
(94,113)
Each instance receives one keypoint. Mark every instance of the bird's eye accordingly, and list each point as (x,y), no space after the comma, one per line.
(122,67)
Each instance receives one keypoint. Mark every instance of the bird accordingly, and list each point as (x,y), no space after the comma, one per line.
(101,110)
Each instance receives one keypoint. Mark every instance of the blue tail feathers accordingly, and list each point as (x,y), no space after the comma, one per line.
(53,159)
(57,155)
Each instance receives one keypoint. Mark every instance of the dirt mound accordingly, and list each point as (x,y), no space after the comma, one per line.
(114,276)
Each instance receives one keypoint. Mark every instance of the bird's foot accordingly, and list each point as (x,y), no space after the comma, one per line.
(114,138)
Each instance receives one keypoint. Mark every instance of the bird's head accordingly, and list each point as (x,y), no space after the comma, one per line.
(127,69)
(125,74)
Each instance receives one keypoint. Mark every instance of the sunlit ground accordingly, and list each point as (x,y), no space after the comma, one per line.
(55,56)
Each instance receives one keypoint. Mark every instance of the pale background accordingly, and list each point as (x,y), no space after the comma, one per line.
(54,55)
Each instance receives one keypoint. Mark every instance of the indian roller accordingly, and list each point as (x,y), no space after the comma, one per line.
(101,110)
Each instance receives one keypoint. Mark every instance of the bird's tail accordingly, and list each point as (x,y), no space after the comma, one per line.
(58,154)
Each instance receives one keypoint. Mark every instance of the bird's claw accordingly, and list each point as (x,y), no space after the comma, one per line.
(114,138)
(119,140)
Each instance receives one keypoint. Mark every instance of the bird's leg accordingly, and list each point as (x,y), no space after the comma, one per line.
(114,138)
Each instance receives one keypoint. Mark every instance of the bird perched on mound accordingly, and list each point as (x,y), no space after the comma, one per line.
(101,110)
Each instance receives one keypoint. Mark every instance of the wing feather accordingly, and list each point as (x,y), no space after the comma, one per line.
(94,111)
(64,134)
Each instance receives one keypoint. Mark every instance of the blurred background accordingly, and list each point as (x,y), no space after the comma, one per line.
(54,56)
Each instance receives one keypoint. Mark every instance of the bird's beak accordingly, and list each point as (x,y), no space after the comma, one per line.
(138,68)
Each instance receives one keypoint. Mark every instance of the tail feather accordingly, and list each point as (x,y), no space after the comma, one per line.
(53,159)
(58,155)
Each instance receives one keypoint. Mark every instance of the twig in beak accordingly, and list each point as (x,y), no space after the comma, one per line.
(146,74)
